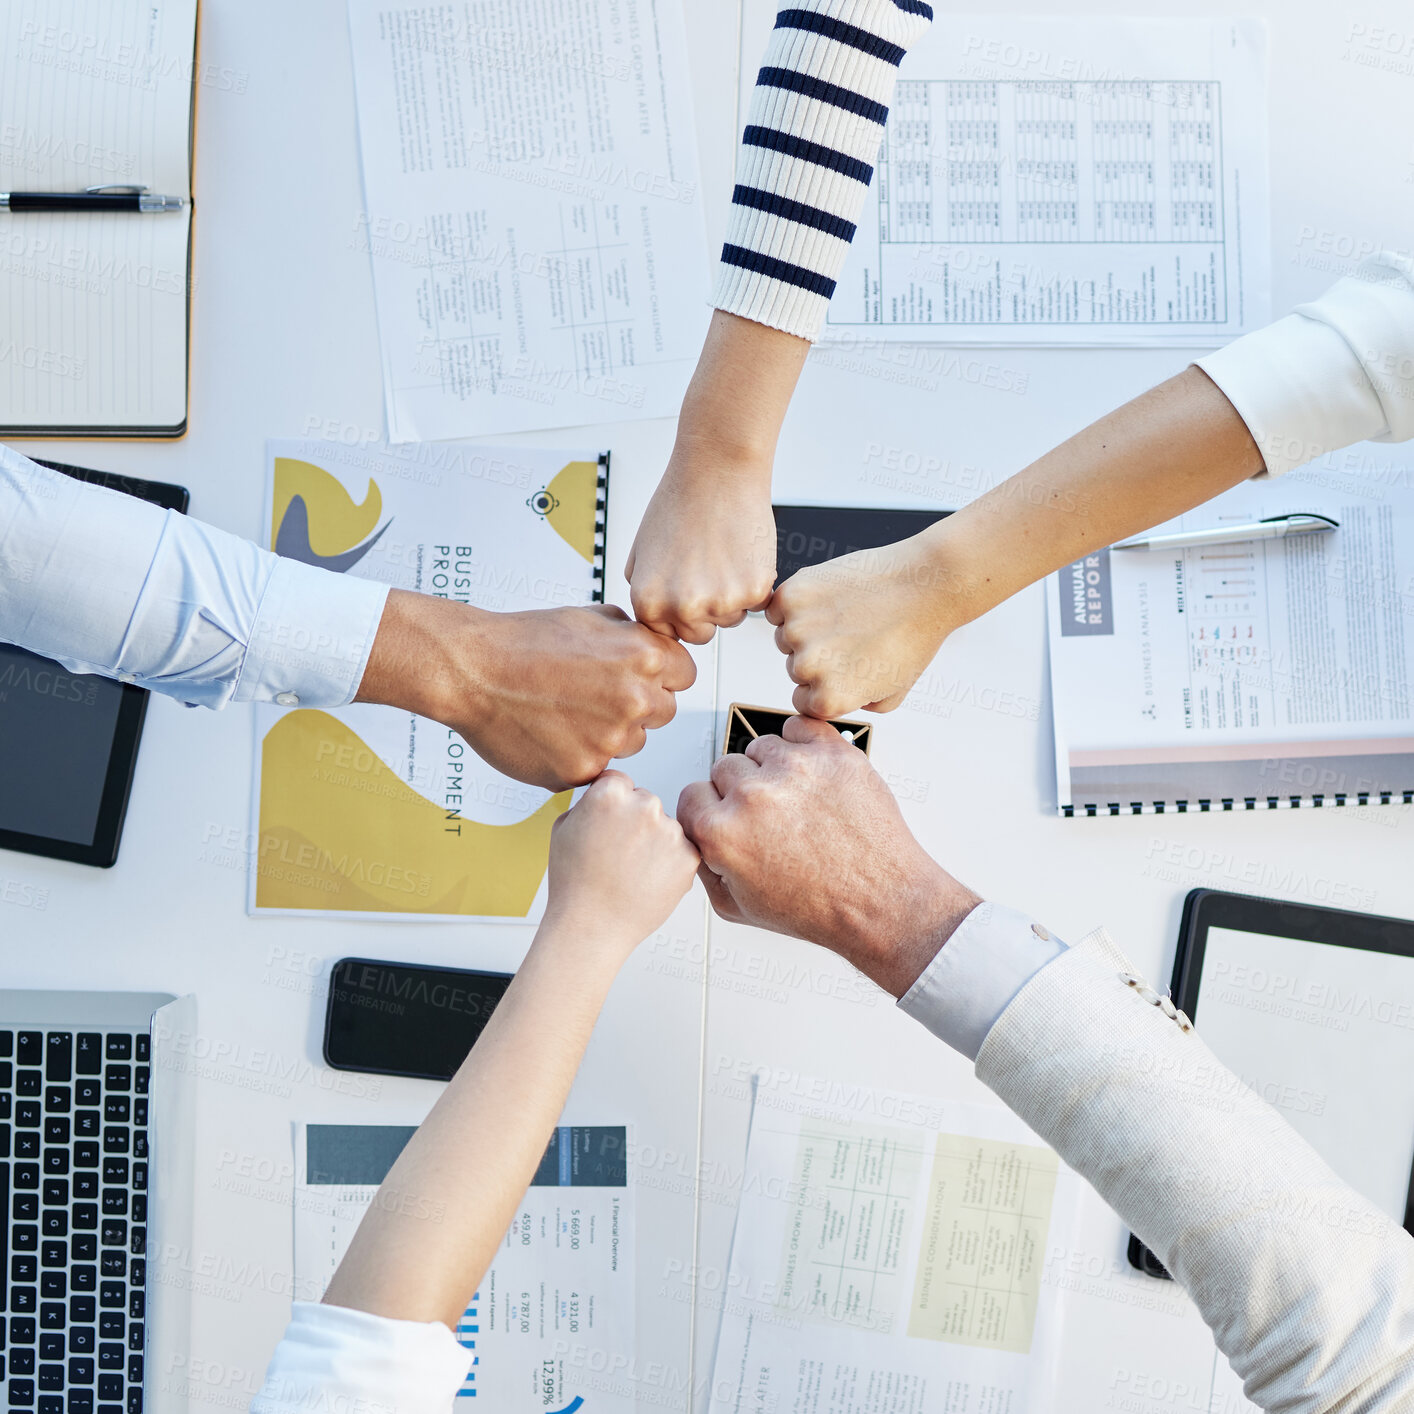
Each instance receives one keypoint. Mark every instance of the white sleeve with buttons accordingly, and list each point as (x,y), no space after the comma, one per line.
(108,584)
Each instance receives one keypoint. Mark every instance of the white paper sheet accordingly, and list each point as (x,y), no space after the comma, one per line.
(892,1263)
(557,1308)
(1262,669)
(1076,181)
(533,211)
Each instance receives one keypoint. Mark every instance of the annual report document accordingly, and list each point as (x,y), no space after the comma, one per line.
(892,1266)
(558,1303)
(533,211)
(1275,672)
(1083,180)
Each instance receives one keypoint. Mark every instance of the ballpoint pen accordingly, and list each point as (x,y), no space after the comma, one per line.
(1272,528)
(91,199)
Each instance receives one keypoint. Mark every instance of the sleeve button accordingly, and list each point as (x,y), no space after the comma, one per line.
(1040,932)
(287,699)
(127,677)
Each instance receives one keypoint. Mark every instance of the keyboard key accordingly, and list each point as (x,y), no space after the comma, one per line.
(7,1043)
(26,1175)
(85,1185)
(84,1278)
(117,1109)
(134,1399)
(140,1080)
(25,1237)
(5,1103)
(87,1092)
(22,1362)
(110,1357)
(30,1083)
(52,1316)
(56,1192)
(137,1304)
(119,1047)
(24,1298)
(140,1144)
(56,1161)
(7,1074)
(51,1404)
(56,1130)
(5,1142)
(137,1274)
(27,1114)
(115,1202)
(110,1386)
(51,1377)
(85,1216)
(26,1207)
(114,1264)
(81,1341)
(24,1268)
(135,1369)
(111,1325)
(135,1336)
(88,1053)
(139,1207)
(85,1246)
(54,1254)
(27,1144)
(85,1154)
(51,1346)
(87,1124)
(80,1401)
(21,1330)
(140,1112)
(118,1077)
(115,1139)
(112,1295)
(55,1222)
(58,1099)
(139,1183)
(21,1392)
(80,1371)
(137,1241)
(54,1283)
(59,1056)
(81,1311)
(115,1170)
(143,1045)
(114,1233)
(29,1049)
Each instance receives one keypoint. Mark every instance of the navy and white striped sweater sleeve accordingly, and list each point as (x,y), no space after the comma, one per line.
(807,155)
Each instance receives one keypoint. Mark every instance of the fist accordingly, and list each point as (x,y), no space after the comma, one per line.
(618,864)
(801,835)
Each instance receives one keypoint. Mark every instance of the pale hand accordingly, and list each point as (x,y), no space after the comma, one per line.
(858,631)
(801,835)
(618,866)
(705,552)
(549,696)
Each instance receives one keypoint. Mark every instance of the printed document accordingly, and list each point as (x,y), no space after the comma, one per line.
(1079,181)
(373,811)
(1259,669)
(533,211)
(892,1265)
(558,1303)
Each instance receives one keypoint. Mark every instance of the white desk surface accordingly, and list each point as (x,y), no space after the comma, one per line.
(284,344)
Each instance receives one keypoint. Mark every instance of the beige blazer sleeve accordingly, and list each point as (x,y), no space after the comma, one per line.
(1308,1288)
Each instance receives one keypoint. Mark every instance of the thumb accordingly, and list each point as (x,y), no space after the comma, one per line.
(628,565)
(805,730)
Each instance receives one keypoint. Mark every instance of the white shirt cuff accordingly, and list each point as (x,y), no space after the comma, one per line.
(313,633)
(334,1358)
(993,954)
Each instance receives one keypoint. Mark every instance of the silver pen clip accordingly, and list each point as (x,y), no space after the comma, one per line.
(115,189)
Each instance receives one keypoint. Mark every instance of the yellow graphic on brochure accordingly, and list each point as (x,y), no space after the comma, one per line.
(323,847)
(984,1234)
(569,503)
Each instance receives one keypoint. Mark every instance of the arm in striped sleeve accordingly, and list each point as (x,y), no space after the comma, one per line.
(807,155)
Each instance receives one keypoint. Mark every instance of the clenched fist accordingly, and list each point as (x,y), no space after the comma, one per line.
(801,835)
(550,696)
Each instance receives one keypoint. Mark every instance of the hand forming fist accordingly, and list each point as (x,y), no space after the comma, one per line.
(618,865)
(550,696)
(858,631)
(801,836)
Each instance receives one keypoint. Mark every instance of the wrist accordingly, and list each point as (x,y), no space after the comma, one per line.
(961,581)
(896,950)
(579,939)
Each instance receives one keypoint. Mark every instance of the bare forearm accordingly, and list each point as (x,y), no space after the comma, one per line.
(740,391)
(1165,452)
(436,1222)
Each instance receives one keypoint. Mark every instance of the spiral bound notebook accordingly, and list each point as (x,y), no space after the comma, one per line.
(1256,675)
(374,811)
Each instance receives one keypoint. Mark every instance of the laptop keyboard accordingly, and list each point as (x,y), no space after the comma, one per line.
(73,1179)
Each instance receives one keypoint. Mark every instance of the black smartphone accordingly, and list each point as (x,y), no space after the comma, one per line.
(401,1018)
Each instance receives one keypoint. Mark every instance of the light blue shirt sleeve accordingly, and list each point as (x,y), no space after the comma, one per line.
(112,585)
(992,955)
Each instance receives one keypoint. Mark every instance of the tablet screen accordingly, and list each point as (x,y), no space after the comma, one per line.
(1325,1034)
(56,735)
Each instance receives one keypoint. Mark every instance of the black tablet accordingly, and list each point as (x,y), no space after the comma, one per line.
(68,743)
(1313,1008)
(810,535)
